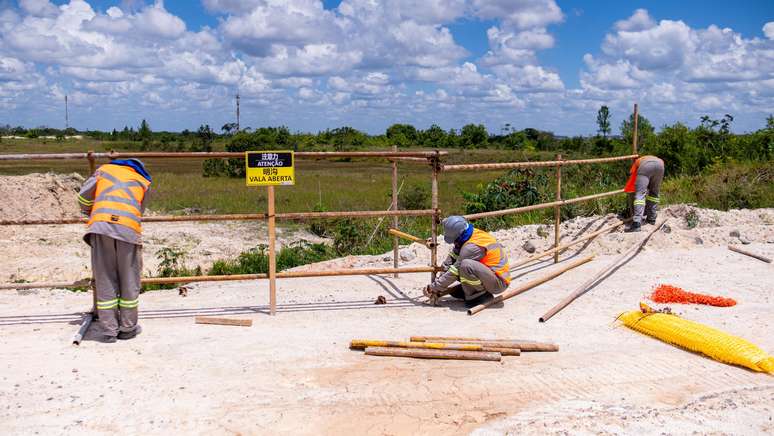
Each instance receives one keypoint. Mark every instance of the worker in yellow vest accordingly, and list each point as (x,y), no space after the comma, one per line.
(642,188)
(477,261)
(114,198)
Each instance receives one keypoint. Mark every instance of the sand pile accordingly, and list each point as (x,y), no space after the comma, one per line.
(39,196)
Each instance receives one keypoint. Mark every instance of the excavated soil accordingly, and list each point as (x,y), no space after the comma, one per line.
(294,374)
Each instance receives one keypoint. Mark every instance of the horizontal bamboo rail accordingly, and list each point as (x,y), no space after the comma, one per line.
(582,289)
(535,164)
(510,293)
(476,216)
(290,216)
(231,277)
(433,354)
(521,344)
(360,344)
(398,233)
(217,154)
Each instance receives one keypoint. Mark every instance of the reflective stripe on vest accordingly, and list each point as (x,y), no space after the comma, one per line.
(118,197)
(495,257)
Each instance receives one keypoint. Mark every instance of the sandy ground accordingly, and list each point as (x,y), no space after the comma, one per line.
(293,373)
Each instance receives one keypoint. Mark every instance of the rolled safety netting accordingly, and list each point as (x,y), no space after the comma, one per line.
(700,338)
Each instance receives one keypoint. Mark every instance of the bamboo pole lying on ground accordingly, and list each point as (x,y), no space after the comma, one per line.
(534,164)
(529,285)
(87,319)
(475,216)
(582,289)
(521,344)
(224,321)
(567,245)
(359,344)
(434,354)
(747,253)
(398,233)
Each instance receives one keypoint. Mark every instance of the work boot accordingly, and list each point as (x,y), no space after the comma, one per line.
(651,221)
(633,227)
(483,298)
(457,292)
(131,334)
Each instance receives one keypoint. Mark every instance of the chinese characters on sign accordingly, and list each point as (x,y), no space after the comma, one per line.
(266,168)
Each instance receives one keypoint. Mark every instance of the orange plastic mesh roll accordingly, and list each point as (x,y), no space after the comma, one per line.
(673,294)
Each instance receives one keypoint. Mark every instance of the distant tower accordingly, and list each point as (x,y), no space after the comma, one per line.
(237,102)
(67,115)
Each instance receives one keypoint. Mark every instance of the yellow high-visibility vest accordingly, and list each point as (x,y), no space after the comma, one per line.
(118,197)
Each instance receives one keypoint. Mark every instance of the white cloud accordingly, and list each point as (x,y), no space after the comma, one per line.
(639,21)
(520,14)
(768,29)
(38,8)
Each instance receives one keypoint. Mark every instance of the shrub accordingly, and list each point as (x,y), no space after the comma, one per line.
(172,264)
(256,260)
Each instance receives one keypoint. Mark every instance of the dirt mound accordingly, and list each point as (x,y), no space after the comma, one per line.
(39,196)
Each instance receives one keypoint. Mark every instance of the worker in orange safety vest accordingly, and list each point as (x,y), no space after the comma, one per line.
(477,261)
(643,187)
(114,198)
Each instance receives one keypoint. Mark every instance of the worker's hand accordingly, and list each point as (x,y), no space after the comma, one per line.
(428,292)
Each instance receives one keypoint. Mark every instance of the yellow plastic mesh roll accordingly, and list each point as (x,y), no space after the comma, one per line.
(700,338)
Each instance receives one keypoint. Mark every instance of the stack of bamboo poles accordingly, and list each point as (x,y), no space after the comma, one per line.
(450,347)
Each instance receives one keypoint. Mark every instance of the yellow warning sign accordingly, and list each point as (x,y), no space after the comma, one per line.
(266,168)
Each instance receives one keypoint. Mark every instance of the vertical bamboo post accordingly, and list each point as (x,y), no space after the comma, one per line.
(436,218)
(634,135)
(558,209)
(92,162)
(395,207)
(272,254)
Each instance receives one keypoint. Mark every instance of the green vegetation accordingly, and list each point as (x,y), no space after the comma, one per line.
(256,260)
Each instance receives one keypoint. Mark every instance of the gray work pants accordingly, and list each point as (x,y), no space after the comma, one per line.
(648,184)
(116,266)
(477,278)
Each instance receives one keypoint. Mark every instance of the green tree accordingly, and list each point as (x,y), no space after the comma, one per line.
(603,121)
(434,137)
(474,136)
(144,132)
(402,134)
(645,131)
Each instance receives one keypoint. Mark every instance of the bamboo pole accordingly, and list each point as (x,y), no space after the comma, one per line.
(476,216)
(85,324)
(523,345)
(395,241)
(398,234)
(433,354)
(529,285)
(582,289)
(747,253)
(436,218)
(567,245)
(92,162)
(634,136)
(223,321)
(272,254)
(558,209)
(218,154)
(290,216)
(231,277)
(533,164)
(359,344)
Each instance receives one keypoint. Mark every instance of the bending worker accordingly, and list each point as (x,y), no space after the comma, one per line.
(114,198)
(643,186)
(477,261)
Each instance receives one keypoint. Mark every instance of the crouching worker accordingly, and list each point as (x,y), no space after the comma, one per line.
(114,198)
(642,188)
(477,261)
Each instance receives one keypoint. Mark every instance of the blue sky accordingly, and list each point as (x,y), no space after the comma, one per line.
(313,65)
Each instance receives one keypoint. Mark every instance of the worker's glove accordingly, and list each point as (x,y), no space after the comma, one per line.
(431,295)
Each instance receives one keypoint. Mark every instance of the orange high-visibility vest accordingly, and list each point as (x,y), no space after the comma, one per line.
(118,196)
(495,257)
(630,184)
